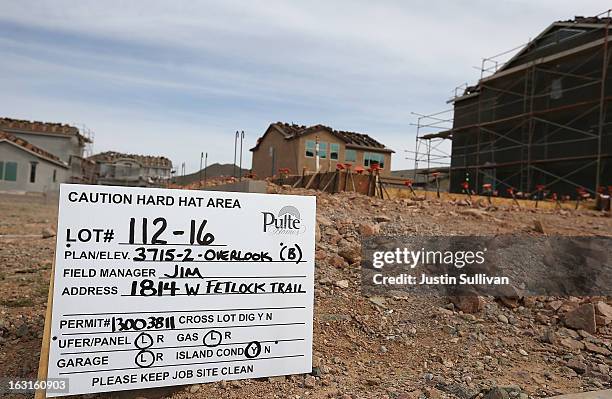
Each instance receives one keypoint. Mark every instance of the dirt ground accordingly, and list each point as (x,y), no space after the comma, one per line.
(402,347)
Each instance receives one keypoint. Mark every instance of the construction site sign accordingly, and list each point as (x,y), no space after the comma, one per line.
(157,287)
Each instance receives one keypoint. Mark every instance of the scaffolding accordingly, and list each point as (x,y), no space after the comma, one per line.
(431,153)
(539,121)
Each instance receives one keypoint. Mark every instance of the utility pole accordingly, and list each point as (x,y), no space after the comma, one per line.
(273,155)
(317,154)
(200,173)
(240,170)
(235,148)
(205,167)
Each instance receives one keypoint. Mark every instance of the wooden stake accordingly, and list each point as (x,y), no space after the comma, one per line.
(298,181)
(311,180)
(43,362)
(333,178)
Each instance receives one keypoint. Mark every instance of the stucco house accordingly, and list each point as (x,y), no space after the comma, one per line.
(25,167)
(118,169)
(294,147)
(38,156)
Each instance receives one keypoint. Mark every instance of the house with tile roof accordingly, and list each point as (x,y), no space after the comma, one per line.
(25,167)
(315,148)
(38,156)
(119,169)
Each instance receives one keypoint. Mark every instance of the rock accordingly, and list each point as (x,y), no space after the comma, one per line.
(529,301)
(468,304)
(449,329)
(310,382)
(475,213)
(460,390)
(603,313)
(22,331)
(342,283)
(382,219)
(445,312)
(379,301)
(325,281)
(550,337)
(433,393)
(194,388)
(337,261)
(577,366)
(582,318)
(367,229)
(568,306)
(496,393)
(596,349)
(373,381)
(47,232)
(501,317)
(566,332)
(571,343)
(538,226)
(350,252)
(323,221)
(522,352)
(317,232)
(554,305)
(509,302)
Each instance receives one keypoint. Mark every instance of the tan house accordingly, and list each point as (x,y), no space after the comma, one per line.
(118,169)
(295,147)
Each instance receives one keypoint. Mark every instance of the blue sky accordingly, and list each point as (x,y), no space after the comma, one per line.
(176,78)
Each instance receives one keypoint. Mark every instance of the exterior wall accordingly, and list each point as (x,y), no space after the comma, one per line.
(537,127)
(44,171)
(62,146)
(127,172)
(291,154)
(328,164)
(285,155)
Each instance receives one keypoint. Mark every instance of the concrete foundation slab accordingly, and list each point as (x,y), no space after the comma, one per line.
(245,186)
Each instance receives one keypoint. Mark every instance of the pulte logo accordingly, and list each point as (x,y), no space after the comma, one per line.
(287,221)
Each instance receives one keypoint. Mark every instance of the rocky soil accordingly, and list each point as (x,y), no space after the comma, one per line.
(370,347)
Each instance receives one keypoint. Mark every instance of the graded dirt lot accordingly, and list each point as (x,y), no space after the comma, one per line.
(396,347)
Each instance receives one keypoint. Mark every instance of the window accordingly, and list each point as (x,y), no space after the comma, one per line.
(334,151)
(1,170)
(33,172)
(10,171)
(54,175)
(350,155)
(323,150)
(370,158)
(310,148)
(556,89)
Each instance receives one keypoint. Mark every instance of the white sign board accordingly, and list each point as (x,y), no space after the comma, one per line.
(157,287)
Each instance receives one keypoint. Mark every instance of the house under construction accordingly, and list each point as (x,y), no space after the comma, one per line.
(541,119)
